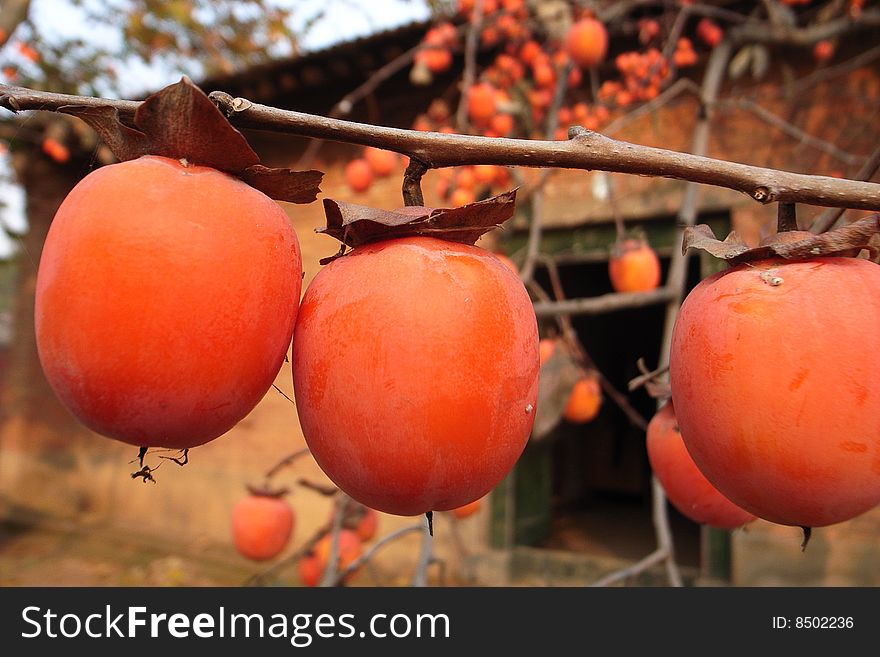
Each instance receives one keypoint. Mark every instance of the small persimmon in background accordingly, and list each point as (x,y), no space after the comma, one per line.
(261,526)
(312,566)
(359,175)
(584,401)
(634,266)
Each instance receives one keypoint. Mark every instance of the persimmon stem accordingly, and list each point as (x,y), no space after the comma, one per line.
(786,217)
(808,531)
(412,183)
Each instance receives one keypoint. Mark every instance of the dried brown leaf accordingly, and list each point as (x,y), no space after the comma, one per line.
(126,142)
(354,225)
(182,122)
(284,184)
(558,376)
(848,240)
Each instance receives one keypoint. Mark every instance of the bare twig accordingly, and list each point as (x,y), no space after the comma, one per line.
(420,576)
(369,554)
(412,183)
(791,130)
(829,217)
(472,42)
(284,463)
(638,567)
(328,578)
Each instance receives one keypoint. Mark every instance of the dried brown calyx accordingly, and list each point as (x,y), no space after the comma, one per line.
(791,245)
(354,225)
(182,123)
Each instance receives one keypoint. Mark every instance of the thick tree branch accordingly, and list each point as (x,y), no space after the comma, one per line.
(588,150)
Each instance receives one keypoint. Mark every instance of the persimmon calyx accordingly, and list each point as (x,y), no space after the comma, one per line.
(845,241)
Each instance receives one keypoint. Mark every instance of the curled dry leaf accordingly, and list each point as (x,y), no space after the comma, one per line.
(848,240)
(559,373)
(354,225)
(181,122)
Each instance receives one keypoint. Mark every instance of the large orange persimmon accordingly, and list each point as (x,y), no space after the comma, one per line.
(415,370)
(165,301)
(686,487)
(775,376)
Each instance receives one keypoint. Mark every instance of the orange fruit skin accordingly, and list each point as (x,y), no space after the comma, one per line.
(587,42)
(584,401)
(261,526)
(686,487)
(165,301)
(415,370)
(777,387)
(636,269)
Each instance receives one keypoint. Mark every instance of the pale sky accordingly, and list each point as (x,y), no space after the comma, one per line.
(344,20)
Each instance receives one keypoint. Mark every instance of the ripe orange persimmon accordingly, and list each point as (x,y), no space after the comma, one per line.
(261,526)
(467,510)
(584,401)
(165,301)
(359,175)
(382,162)
(482,103)
(587,42)
(634,267)
(312,566)
(379,325)
(546,348)
(775,376)
(368,524)
(686,487)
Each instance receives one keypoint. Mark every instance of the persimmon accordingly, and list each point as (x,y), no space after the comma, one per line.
(359,175)
(482,103)
(584,401)
(467,510)
(56,150)
(165,301)
(415,371)
(313,565)
(587,42)
(823,51)
(367,525)
(546,348)
(634,267)
(686,487)
(462,196)
(261,526)
(382,162)
(775,376)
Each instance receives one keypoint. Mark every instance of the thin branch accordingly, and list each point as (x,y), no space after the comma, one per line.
(640,566)
(420,576)
(328,578)
(791,130)
(588,150)
(285,462)
(472,42)
(829,217)
(369,554)
(604,303)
